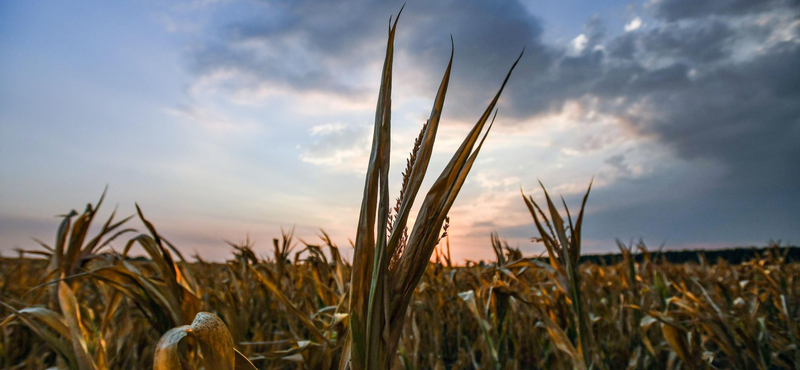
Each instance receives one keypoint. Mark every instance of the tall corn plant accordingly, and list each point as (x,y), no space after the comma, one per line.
(388,266)
(564,252)
(71,252)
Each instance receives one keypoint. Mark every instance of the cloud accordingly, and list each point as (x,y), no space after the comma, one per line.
(489,182)
(338,147)
(633,25)
(578,44)
(674,10)
(683,85)
(337,49)
(618,163)
(327,129)
(743,115)
(701,42)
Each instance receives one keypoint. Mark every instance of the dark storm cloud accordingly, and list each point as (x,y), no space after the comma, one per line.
(701,101)
(745,116)
(738,113)
(623,47)
(702,42)
(673,10)
(317,46)
(299,45)
(488,36)
(618,163)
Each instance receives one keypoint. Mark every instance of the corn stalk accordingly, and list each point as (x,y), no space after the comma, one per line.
(379,295)
(564,253)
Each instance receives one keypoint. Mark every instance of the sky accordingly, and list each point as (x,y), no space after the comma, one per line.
(230,118)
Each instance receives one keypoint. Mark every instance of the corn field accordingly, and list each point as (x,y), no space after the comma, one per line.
(82,302)
(289,311)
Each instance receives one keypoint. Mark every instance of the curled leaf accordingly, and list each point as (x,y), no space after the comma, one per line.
(214,340)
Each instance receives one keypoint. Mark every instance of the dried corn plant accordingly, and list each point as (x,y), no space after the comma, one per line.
(380,295)
(563,244)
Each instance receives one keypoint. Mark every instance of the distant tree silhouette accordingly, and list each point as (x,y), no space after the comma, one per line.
(733,255)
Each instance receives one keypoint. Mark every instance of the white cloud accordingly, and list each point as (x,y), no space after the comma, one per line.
(489,181)
(579,43)
(342,160)
(326,129)
(633,25)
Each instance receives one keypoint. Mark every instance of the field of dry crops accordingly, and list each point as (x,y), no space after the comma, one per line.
(86,305)
(290,310)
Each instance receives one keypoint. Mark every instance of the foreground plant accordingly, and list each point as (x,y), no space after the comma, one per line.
(214,340)
(388,266)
